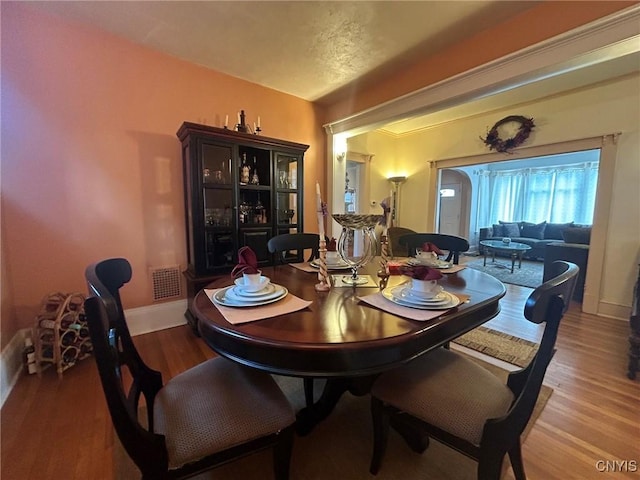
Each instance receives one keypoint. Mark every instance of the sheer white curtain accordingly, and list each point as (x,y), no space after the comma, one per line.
(553,194)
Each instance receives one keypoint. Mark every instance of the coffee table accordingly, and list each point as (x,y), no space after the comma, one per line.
(514,249)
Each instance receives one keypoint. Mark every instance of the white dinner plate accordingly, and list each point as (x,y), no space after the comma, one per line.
(227,297)
(452,302)
(405,293)
(232,295)
(439,263)
(241,291)
(331,266)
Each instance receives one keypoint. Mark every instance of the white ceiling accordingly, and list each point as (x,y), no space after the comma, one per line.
(316,50)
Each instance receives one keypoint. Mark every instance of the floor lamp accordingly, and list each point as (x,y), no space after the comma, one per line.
(396,181)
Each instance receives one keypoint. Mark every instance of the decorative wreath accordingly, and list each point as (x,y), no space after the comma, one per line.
(494,142)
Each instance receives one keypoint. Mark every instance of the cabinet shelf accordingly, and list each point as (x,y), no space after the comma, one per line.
(255,187)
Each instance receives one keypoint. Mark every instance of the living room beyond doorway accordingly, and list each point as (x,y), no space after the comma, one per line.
(558,188)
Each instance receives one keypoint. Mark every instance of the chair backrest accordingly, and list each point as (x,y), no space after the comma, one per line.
(114,351)
(547,303)
(393,237)
(452,244)
(286,242)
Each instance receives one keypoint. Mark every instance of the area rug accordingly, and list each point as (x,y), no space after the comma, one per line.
(340,448)
(502,346)
(530,275)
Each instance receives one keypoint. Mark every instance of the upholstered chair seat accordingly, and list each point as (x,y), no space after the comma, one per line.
(204,421)
(417,388)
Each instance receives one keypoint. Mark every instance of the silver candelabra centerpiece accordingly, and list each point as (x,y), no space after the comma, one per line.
(355,248)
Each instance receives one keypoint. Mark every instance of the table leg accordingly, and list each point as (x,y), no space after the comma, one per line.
(513,260)
(308,417)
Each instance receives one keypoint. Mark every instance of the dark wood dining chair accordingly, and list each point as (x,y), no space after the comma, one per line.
(394,234)
(463,405)
(452,244)
(281,245)
(208,415)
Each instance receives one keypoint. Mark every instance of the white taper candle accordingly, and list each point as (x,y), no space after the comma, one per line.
(319,210)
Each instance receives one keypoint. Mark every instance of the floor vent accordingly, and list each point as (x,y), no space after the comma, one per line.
(166,282)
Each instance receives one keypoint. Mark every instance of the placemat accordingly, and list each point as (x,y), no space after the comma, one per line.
(453,269)
(235,316)
(304,266)
(377,300)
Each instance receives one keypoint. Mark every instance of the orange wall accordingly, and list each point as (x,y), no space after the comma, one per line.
(91,165)
(545,20)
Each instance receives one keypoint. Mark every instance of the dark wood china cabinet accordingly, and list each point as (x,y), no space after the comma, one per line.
(239,189)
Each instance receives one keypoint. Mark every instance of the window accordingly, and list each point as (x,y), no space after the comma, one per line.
(548,189)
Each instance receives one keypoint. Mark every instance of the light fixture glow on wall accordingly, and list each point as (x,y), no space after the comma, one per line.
(396,181)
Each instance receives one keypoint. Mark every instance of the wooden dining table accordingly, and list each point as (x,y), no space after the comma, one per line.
(339,337)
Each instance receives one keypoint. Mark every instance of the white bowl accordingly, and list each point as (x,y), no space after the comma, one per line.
(425,288)
(253,282)
(333,258)
(427,258)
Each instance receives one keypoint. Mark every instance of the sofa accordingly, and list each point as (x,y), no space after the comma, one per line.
(537,235)
(577,253)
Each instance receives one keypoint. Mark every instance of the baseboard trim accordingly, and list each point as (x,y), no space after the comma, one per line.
(11,364)
(151,318)
(141,320)
(614,310)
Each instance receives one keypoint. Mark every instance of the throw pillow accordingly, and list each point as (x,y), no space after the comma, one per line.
(580,235)
(497,230)
(510,229)
(532,230)
(554,230)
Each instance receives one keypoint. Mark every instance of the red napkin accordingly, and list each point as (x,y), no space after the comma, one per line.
(331,246)
(421,272)
(247,262)
(430,247)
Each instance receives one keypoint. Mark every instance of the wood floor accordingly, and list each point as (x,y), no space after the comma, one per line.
(61,429)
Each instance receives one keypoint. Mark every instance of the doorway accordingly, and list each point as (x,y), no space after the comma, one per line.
(454,203)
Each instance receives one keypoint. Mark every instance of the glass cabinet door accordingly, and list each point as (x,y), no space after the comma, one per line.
(218,221)
(286,172)
(216,164)
(287,204)
(218,207)
(219,227)
(288,201)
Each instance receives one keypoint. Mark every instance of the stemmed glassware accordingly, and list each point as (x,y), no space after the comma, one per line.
(351,223)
